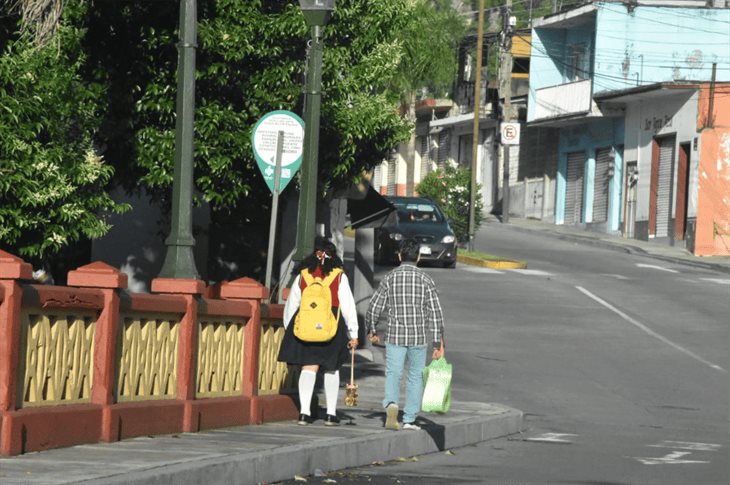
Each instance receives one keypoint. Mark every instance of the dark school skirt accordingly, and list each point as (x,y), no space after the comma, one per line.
(328,355)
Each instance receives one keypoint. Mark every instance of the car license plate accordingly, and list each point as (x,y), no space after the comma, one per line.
(425,250)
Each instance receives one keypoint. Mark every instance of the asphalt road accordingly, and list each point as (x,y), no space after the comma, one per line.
(619,361)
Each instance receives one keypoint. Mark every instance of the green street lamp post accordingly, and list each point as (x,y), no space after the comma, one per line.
(317,13)
(179,261)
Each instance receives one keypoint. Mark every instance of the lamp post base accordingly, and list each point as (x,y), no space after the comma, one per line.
(179,263)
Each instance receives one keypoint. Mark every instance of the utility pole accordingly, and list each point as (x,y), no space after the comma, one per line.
(506,70)
(475,136)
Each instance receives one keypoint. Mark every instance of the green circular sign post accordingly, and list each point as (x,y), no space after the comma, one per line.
(265,136)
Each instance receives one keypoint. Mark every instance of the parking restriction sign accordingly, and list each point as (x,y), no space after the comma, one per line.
(510,133)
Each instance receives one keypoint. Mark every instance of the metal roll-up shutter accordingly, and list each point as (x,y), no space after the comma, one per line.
(377,177)
(600,185)
(574,188)
(444,148)
(425,156)
(664,187)
(391,175)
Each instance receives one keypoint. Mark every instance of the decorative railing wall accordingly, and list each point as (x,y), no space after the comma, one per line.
(92,362)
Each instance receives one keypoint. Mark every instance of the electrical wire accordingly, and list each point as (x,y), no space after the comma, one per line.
(584,72)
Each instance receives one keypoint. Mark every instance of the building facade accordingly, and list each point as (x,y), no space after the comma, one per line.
(621,84)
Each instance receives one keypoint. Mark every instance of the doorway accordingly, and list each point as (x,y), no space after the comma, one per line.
(660,200)
(680,221)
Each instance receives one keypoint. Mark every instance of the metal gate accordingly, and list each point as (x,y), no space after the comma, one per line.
(574,188)
(534,192)
(664,186)
(392,163)
(600,185)
(632,177)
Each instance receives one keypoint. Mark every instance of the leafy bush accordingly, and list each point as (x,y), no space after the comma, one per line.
(52,180)
(449,188)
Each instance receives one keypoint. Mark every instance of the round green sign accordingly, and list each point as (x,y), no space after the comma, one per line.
(264,137)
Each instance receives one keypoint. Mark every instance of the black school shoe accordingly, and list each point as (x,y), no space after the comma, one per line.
(331,420)
(304,419)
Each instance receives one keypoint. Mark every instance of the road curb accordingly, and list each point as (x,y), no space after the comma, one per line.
(491,263)
(624,247)
(283,462)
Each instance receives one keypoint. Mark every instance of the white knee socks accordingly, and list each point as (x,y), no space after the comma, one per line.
(307,379)
(331,387)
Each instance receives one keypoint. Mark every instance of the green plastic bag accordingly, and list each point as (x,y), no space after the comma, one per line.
(437,391)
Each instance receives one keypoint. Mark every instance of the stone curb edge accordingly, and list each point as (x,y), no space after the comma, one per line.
(282,463)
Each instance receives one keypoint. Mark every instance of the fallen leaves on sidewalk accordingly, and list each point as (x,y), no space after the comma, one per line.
(402,459)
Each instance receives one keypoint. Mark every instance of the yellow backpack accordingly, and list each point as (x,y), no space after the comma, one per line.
(315,321)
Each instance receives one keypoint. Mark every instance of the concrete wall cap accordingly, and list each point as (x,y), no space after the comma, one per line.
(14,268)
(97,275)
(245,288)
(183,286)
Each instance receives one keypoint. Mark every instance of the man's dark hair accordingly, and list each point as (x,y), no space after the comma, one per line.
(409,250)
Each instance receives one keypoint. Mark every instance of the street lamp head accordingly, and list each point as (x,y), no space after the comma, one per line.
(317,12)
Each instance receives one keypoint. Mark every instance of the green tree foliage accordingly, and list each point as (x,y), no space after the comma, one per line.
(430,42)
(449,188)
(112,85)
(52,180)
(251,60)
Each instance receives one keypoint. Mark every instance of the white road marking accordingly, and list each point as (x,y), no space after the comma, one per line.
(720,281)
(687,445)
(477,269)
(646,329)
(617,276)
(531,272)
(551,438)
(670,459)
(653,266)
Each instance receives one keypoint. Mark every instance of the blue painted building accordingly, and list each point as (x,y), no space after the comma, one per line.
(586,55)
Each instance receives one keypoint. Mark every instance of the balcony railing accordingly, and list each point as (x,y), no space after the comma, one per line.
(562,100)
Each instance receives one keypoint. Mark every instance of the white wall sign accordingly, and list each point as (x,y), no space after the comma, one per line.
(510,133)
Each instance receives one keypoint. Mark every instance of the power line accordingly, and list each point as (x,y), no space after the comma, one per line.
(654,20)
(596,77)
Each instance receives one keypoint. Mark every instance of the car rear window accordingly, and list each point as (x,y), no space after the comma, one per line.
(418,212)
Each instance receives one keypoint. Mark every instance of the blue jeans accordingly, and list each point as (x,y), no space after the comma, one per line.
(396,357)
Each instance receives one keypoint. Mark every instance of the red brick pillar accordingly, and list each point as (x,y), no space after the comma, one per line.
(190,289)
(108,280)
(12,269)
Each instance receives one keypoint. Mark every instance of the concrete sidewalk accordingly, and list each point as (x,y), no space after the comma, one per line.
(633,246)
(270,452)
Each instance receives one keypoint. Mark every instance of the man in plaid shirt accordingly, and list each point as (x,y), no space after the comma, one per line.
(415,319)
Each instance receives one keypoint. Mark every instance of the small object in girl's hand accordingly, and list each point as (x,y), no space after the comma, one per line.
(351,395)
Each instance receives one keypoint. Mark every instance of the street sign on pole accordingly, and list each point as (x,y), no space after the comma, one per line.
(264,138)
(510,133)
